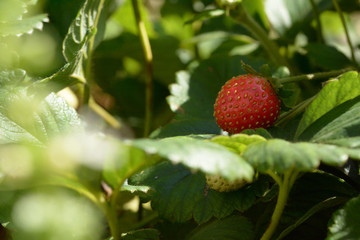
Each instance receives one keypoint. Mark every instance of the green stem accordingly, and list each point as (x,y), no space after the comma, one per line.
(274,176)
(284,189)
(337,7)
(146,47)
(318,22)
(270,46)
(295,111)
(313,76)
(113,221)
(90,49)
(110,119)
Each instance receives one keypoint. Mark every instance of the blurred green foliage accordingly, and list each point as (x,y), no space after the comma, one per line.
(81,173)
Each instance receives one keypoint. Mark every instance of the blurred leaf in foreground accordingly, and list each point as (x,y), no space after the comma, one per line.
(56,215)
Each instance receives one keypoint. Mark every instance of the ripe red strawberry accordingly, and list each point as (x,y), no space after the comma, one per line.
(246,102)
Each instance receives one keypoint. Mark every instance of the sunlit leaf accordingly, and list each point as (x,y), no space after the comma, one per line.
(128,161)
(75,47)
(334,93)
(279,155)
(344,224)
(342,122)
(28,119)
(12,10)
(351,142)
(82,28)
(136,189)
(43,125)
(201,155)
(237,142)
(26,25)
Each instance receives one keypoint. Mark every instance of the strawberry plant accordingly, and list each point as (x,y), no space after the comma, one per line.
(191,119)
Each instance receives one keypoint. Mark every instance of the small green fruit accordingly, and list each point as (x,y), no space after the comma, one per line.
(220,184)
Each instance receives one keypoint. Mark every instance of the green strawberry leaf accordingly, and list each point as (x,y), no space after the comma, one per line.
(220,205)
(351,145)
(142,191)
(206,156)
(117,171)
(279,155)
(75,47)
(237,142)
(259,131)
(230,228)
(27,119)
(334,93)
(87,27)
(143,234)
(344,124)
(179,195)
(13,77)
(12,10)
(84,26)
(319,54)
(26,25)
(176,190)
(339,123)
(64,77)
(344,224)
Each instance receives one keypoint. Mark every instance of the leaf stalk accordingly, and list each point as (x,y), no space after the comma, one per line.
(146,47)
(313,76)
(240,15)
(88,73)
(294,111)
(284,190)
(318,22)
(338,9)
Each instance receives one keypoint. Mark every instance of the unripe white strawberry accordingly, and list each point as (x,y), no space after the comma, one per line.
(220,184)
